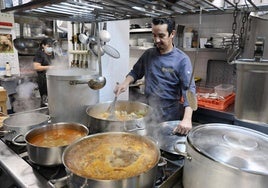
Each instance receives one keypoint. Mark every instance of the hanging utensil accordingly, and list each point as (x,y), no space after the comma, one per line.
(191,97)
(25,46)
(100,81)
(78,44)
(73,43)
(111,51)
(104,37)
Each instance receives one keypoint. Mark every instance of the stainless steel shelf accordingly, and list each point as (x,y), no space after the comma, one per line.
(141,30)
(185,49)
(108,10)
(204,50)
(138,48)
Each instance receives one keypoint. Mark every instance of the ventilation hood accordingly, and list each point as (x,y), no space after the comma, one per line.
(108,10)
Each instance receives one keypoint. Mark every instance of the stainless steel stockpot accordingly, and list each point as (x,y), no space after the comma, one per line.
(46,155)
(223,156)
(97,124)
(21,123)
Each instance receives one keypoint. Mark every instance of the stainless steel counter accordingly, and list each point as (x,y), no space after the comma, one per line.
(206,115)
(18,169)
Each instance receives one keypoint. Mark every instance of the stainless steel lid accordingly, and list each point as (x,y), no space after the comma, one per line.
(237,147)
(25,119)
(163,133)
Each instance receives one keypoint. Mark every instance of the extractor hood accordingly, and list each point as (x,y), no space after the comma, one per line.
(107,10)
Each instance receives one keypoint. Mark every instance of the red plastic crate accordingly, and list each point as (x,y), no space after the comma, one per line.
(218,104)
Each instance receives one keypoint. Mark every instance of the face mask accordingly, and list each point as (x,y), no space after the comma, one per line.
(49,50)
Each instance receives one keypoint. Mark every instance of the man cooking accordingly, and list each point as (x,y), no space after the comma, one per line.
(167,72)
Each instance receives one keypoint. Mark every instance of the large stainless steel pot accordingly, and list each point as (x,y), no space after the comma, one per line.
(69,94)
(223,156)
(112,160)
(97,124)
(21,123)
(50,155)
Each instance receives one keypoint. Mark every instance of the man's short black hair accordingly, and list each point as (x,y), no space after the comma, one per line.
(167,20)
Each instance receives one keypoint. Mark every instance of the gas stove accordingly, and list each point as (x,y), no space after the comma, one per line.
(17,171)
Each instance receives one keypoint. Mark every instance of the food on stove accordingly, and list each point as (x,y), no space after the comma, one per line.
(123,115)
(111,157)
(56,137)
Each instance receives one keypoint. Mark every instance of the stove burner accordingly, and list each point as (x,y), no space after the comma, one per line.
(17,149)
(48,172)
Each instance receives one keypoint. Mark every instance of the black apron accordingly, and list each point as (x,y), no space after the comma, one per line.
(164,109)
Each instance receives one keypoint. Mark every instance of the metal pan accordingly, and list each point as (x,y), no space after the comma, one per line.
(167,140)
(20,123)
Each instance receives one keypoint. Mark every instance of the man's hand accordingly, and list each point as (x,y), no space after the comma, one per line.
(120,88)
(186,123)
(184,127)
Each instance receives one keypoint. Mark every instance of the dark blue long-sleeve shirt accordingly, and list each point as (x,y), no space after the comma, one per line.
(167,76)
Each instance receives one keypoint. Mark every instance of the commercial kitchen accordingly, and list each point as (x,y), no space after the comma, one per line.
(96,43)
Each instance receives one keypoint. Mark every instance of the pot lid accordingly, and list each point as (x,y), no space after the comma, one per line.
(167,140)
(26,119)
(234,146)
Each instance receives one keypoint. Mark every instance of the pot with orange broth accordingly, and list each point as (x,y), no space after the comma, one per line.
(46,144)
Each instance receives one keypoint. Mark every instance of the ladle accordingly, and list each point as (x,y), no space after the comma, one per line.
(191,97)
(111,109)
(100,81)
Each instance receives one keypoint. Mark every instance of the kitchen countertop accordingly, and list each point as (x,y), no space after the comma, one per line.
(19,169)
(207,115)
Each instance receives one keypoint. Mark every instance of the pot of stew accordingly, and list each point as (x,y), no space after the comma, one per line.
(46,144)
(112,160)
(130,116)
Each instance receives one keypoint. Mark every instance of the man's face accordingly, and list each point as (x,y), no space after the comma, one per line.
(162,39)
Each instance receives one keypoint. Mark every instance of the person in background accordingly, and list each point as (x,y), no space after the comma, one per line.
(167,72)
(41,63)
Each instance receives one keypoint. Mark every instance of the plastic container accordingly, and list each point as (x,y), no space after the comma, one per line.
(204,89)
(224,90)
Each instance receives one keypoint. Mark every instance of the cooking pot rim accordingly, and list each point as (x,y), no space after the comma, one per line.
(73,144)
(52,126)
(74,74)
(91,108)
(30,120)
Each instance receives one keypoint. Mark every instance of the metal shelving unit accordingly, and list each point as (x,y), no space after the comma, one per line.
(108,10)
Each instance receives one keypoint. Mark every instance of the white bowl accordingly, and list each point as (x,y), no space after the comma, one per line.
(148,44)
(133,42)
(141,41)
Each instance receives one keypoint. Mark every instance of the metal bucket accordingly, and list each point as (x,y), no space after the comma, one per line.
(251,102)
(68,102)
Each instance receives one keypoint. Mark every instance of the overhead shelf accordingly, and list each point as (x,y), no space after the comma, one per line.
(108,10)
